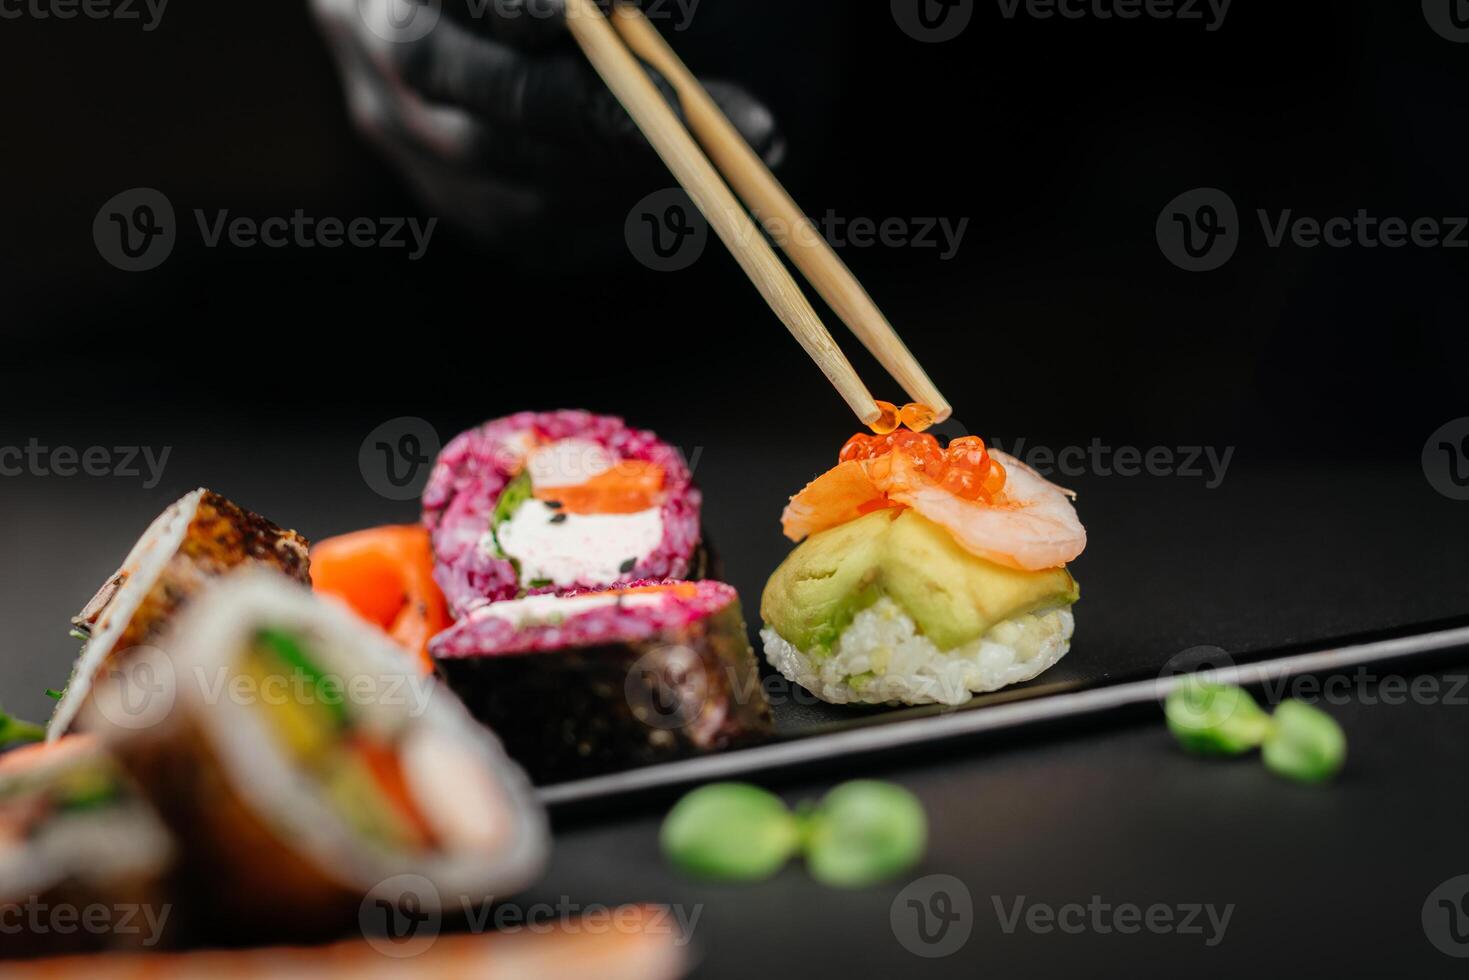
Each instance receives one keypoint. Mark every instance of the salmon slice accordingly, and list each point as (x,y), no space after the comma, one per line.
(629,487)
(386,575)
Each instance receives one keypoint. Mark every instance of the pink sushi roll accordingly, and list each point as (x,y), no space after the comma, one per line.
(639,675)
(559,501)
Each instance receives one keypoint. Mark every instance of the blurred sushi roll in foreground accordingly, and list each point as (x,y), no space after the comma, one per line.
(303,760)
(558,501)
(198,538)
(925,575)
(629,942)
(607,680)
(83,859)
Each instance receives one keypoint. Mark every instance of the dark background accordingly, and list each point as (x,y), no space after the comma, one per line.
(1059,320)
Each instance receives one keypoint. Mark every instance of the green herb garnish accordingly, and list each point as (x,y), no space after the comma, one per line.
(54,694)
(860,833)
(864,832)
(541,583)
(1306,744)
(14,730)
(1215,719)
(1299,742)
(731,832)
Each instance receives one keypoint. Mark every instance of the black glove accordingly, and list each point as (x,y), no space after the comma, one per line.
(488,107)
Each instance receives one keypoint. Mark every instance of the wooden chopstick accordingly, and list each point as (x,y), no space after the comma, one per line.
(771,203)
(630,83)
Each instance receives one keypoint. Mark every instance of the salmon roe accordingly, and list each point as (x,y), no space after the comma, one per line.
(964,469)
(917,416)
(888,421)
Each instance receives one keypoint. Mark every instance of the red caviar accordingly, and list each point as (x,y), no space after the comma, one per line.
(964,469)
(888,420)
(917,416)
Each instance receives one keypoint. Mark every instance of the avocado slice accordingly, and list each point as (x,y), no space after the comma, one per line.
(953,596)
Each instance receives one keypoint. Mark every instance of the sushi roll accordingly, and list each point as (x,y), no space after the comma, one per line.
(304,760)
(75,835)
(925,574)
(556,502)
(198,538)
(605,680)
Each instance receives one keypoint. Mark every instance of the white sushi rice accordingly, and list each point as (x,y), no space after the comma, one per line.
(881,658)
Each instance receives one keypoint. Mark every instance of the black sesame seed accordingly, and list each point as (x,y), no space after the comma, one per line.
(628,566)
(558,519)
(554,504)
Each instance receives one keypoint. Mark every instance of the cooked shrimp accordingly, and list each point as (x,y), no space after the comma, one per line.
(1030,525)
(835,497)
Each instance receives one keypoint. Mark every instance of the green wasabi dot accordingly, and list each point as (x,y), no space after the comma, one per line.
(14,730)
(730,832)
(1215,719)
(864,832)
(1306,744)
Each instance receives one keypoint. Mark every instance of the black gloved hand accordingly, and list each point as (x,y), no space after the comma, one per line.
(487,106)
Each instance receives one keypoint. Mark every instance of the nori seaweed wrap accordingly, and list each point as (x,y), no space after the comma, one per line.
(609,680)
(303,761)
(83,859)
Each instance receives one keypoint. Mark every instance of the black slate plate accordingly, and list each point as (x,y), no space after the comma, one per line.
(1280,557)
(1279,560)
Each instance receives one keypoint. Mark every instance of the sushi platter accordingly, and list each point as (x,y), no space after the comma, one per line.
(281,737)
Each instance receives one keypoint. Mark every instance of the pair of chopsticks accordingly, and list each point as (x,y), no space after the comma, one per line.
(611,51)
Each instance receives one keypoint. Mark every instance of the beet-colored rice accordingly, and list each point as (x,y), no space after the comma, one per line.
(482,634)
(475,467)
